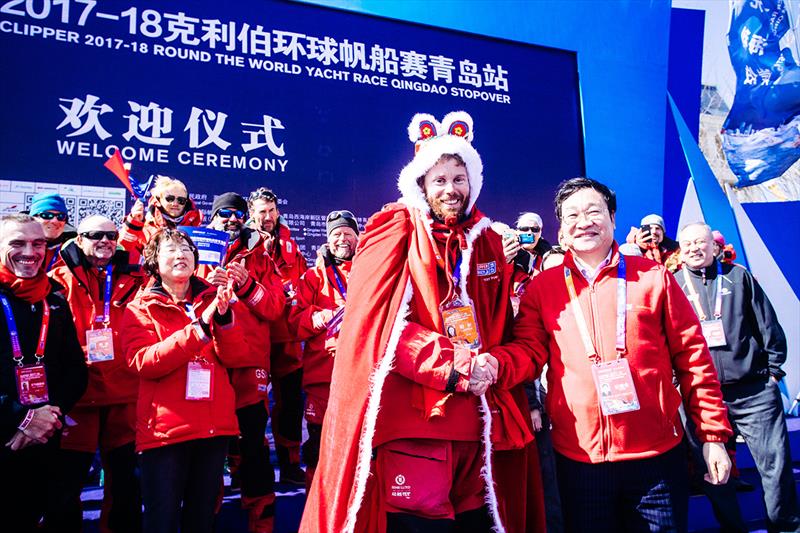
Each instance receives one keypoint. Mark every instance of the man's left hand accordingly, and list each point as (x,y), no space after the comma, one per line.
(718,463)
(238,273)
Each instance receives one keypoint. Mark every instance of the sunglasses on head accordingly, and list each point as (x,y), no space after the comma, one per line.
(529,229)
(61,217)
(180,199)
(98,235)
(340,214)
(228,213)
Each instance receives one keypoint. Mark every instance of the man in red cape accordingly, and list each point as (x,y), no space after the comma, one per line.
(425,431)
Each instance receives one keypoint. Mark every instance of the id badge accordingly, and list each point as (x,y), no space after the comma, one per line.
(460,326)
(199,376)
(100,345)
(714,333)
(615,388)
(32,384)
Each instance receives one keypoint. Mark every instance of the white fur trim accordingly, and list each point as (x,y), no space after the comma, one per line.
(466,255)
(373,406)
(413,126)
(486,471)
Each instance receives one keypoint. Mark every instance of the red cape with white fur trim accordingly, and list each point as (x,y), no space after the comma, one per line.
(394,269)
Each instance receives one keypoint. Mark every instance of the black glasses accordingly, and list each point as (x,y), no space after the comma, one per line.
(61,217)
(228,213)
(98,235)
(335,215)
(529,229)
(180,199)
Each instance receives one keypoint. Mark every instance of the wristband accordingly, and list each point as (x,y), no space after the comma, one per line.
(452,381)
(205,328)
(26,421)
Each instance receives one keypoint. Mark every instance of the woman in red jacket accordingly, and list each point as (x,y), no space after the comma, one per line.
(179,334)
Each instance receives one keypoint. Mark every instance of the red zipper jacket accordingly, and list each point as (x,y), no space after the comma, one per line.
(110,382)
(663,336)
(159,340)
(261,300)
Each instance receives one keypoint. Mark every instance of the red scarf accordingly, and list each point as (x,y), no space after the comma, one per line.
(32,290)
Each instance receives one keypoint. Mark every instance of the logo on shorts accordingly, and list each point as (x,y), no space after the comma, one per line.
(399,489)
(487,269)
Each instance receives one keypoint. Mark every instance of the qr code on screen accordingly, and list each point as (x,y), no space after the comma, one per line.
(113,209)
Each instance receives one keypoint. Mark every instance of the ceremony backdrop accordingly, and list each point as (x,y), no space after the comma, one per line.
(309,101)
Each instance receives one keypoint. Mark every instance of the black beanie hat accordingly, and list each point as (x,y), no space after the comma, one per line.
(337,219)
(228,200)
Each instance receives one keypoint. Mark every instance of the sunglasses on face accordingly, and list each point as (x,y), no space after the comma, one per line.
(529,229)
(180,199)
(98,235)
(61,217)
(340,214)
(228,213)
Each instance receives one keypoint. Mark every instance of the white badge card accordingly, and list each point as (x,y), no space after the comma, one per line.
(198,380)
(100,345)
(714,333)
(615,388)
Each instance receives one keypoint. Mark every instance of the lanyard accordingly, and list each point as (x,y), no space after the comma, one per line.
(14,333)
(54,258)
(190,311)
(106,318)
(339,283)
(457,272)
(583,328)
(695,298)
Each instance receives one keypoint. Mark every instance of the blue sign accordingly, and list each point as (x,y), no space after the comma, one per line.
(212,245)
(309,101)
(761,135)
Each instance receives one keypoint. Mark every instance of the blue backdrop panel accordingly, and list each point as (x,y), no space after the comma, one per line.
(279,85)
(777,222)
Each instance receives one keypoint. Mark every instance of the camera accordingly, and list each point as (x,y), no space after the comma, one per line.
(527,238)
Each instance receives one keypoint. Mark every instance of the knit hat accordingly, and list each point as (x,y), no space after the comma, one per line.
(652,220)
(47,201)
(432,140)
(337,219)
(229,200)
(719,238)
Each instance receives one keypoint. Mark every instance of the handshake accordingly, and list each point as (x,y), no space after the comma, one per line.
(483,373)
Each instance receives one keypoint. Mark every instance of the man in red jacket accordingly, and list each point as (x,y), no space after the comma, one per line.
(613,330)
(99,283)
(428,292)
(248,267)
(286,365)
(317,319)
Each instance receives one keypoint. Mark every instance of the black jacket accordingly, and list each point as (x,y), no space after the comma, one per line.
(756,344)
(63,358)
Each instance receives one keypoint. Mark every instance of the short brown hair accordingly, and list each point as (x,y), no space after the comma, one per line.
(442,159)
(154,244)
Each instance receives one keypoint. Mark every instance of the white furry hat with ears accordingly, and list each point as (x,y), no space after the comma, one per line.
(432,140)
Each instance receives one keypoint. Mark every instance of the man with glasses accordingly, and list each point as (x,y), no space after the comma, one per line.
(612,331)
(248,268)
(286,351)
(42,374)
(317,319)
(99,282)
(748,347)
(50,210)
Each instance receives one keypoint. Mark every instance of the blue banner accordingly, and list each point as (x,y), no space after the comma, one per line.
(211,244)
(761,135)
(309,101)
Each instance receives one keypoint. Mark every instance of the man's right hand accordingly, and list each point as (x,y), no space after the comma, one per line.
(137,212)
(536,419)
(44,423)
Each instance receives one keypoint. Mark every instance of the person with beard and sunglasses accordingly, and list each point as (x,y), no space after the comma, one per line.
(169,207)
(404,441)
(42,374)
(248,268)
(50,210)
(317,319)
(98,283)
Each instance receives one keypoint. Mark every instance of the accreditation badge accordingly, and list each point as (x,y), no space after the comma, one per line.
(100,345)
(461,326)
(32,384)
(199,378)
(714,333)
(615,389)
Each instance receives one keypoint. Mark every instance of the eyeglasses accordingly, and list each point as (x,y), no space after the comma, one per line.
(61,217)
(98,235)
(228,213)
(180,199)
(529,229)
(336,215)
